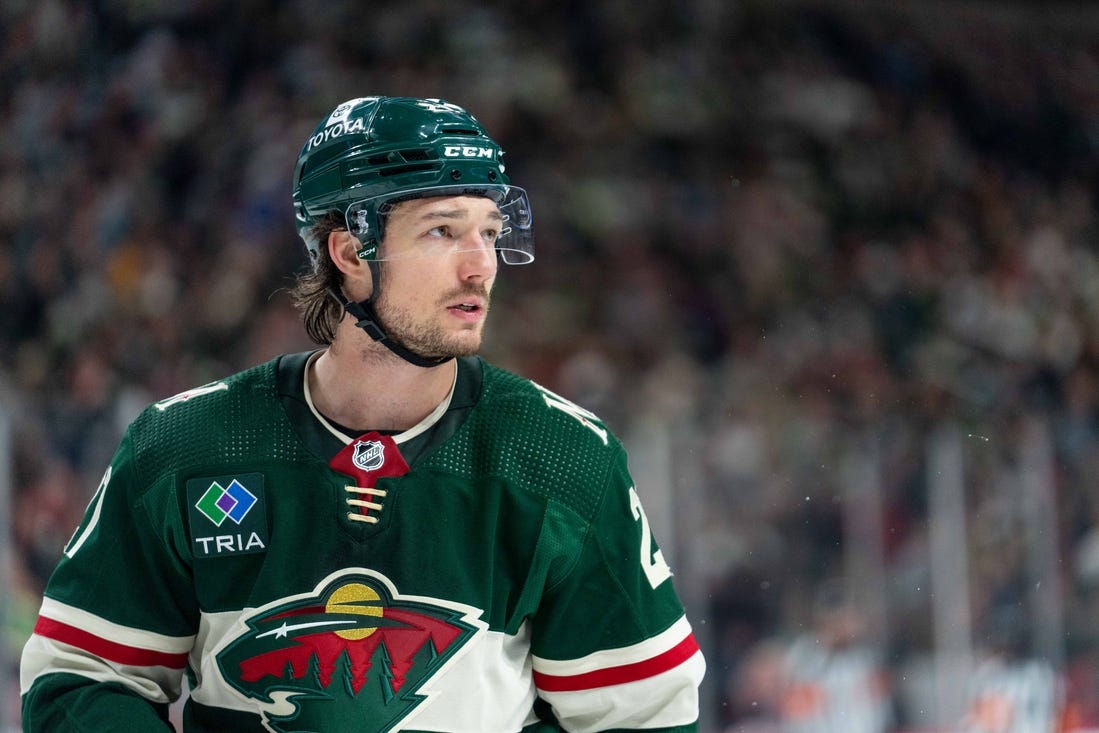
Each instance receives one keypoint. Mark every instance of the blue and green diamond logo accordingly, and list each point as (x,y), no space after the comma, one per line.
(233,502)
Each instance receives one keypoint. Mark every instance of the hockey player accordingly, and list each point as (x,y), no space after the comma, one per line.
(386,533)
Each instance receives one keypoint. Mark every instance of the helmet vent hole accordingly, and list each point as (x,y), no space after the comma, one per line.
(458,130)
(415,154)
(399,169)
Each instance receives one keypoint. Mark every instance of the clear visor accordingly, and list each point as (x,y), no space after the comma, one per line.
(441,229)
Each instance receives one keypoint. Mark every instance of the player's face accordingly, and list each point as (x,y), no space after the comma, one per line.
(438,270)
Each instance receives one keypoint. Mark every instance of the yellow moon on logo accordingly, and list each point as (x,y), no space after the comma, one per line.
(355,598)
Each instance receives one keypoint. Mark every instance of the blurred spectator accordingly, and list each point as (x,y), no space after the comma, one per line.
(835,677)
(1013,690)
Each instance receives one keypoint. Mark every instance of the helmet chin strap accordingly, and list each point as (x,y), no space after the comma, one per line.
(366,318)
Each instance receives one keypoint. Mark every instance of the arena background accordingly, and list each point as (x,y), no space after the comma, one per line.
(830,268)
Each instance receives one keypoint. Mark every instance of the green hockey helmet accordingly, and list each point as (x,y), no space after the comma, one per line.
(372,152)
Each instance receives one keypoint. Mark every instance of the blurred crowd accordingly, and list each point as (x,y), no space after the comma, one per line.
(783,231)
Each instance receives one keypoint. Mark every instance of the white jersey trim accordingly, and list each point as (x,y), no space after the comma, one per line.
(110,631)
(665,700)
(42,656)
(605,659)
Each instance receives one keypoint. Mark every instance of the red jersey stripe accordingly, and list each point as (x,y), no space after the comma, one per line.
(621,674)
(109,650)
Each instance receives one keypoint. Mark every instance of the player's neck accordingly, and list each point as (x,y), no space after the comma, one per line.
(376,393)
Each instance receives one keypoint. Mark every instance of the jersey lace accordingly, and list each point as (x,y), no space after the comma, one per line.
(364,503)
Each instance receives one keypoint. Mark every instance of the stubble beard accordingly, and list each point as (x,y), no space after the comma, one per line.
(428,338)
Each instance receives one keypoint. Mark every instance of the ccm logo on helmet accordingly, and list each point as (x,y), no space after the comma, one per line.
(466,151)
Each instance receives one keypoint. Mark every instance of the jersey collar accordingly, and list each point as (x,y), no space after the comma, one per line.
(417,429)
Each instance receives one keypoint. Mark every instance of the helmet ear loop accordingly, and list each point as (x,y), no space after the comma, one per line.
(363,311)
(374,325)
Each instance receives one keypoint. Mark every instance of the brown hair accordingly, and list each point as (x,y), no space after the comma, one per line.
(312,292)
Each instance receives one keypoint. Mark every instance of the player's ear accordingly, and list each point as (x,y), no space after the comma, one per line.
(343,249)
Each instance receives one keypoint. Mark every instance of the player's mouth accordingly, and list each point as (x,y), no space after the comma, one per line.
(468,310)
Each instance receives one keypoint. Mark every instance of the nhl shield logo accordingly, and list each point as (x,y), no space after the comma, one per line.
(369,455)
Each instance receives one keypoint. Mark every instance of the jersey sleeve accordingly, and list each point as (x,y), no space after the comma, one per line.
(117,620)
(612,648)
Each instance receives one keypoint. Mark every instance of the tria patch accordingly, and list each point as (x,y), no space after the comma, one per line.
(351,654)
(227,514)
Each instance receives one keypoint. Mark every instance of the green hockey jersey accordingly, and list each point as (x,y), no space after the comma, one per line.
(489,570)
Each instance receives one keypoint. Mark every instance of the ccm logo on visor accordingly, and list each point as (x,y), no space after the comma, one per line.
(466,151)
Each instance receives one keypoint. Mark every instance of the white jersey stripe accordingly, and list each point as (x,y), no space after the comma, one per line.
(606,659)
(668,700)
(42,656)
(113,632)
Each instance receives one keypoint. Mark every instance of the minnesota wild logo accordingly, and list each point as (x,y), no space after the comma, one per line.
(350,656)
